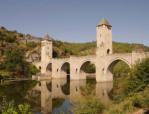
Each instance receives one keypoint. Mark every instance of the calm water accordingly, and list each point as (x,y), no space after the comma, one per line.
(53,96)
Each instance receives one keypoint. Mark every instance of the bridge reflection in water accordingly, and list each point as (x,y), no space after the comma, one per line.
(60,94)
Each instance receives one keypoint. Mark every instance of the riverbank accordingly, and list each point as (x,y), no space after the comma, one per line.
(14,79)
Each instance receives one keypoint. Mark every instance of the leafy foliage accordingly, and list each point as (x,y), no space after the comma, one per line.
(120,69)
(31,44)
(12,56)
(15,63)
(132,88)
(65,49)
(90,68)
(10,108)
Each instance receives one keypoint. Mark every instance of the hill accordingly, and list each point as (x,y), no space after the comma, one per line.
(63,49)
(32,46)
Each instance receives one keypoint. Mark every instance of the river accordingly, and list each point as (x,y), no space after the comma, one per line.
(52,96)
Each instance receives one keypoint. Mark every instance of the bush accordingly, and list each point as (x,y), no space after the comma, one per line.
(139,77)
(121,69)
(121,108)
(31,44)
(135,81)
(8,107)
(132,91)
(90,68)
(33,69)
(15,63)
(139,101)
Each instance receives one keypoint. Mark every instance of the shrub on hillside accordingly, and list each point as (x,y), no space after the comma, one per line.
(8,107)
(15,63)
(31,44)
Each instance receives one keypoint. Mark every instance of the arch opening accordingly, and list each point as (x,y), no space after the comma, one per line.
(49,86)
(65,69)
(89,69)
(118,68)
(49,67)
(66,88)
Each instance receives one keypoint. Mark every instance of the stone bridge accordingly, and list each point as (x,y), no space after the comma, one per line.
(104,59)
(57,68)
(76,65)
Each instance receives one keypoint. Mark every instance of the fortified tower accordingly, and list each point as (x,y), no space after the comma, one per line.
(104,38)
(104,48)
(46,52)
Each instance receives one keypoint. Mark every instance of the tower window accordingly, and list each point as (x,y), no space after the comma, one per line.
(108,51)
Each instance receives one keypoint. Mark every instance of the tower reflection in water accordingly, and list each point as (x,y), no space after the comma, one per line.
(59,95)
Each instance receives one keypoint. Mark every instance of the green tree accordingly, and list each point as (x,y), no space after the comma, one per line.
(139,77)
(132,83)
(8,107)
(31,44)
(16,64)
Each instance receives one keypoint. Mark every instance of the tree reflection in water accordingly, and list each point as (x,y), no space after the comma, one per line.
(57,94)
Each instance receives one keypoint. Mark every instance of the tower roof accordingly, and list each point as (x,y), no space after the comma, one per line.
(47,37)
(103,22)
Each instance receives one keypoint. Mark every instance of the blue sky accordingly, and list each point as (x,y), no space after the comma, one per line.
(76,20)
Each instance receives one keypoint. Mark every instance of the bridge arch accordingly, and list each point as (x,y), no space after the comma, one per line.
(65,68)
(49,67)
(84,67)
(49,86)
(112,63)
(66,88)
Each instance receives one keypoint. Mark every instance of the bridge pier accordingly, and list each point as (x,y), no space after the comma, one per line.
(59,74)
(102,72)
(75,73)
(78,76)
(104,77)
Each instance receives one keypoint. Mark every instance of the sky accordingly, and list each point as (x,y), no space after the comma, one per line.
(76,20)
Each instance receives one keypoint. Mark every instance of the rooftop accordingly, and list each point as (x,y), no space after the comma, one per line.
(47,37)
(103,22)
